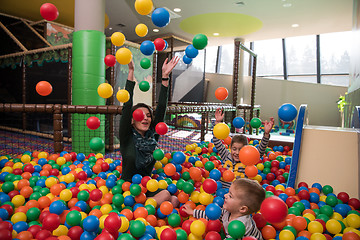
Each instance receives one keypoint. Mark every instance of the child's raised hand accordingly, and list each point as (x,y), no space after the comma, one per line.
(268,125)
(219,115)
(131,65)
(188,209)
(169,66)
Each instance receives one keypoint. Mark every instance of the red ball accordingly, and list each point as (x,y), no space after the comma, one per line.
(112,222)
(34,229)
(93,123)
(186,226)
(73,155)
(322,222)
(303,184)
(343,196)
(270,188)
(144,180)
(212,236)
(270,177)
(303,194)
(5,234)
(54,172)
(161,128)
(209,186)
(274,210)
(81,175)
(96,195)
(213,225)
(110,60)
(290,201)
(74,191)
(75,232)
(168,234)
(159,44)
(354,202)
(138,115)
(43,234)
(281,179)
(6,225)
(51,222)
(17,171)
(105,166)
(275,163)
(259,220)
(49,11)
(29,168)
(8,208)
(175,176)
(182,213)
(104,235)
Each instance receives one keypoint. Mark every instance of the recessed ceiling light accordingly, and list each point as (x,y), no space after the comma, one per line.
(177,9)
(216,34)
(287,5)
(295,25)
(110,28)
(156,30)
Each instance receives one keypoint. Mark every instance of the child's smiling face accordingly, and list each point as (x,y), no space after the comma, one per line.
(235,149)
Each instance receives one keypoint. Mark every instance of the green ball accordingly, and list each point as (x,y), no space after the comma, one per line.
(294,210)
(137,228)
(323,217)
(7,187)
(286,175)
(116,189)
(32,223)
(299,205)
(331,200)
(174,220)
(83,196)
(35,196)
(180,184)
(73,218)
(280,158)
(267,164)
(266,170)
(44,191)
(255,122)
(145,63)
(9,177)
(126,236)
(17,178)
(135,189)
(188,187)
(144,86)
(200,41)
(118,199)
(291,229)
(327,189)
(151,209)
(185,176)
(168,181)
(209,166)
(96,144)
(92,159)
(181,234)
(269,194)
(33,214)
(327,210)
(236,229)
(158,154)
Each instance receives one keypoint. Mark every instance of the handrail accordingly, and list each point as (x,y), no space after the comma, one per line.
(302,117)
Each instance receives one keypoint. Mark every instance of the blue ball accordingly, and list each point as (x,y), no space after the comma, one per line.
(146,236)
(110,183)
(91,223)
(147,47)
(342,209)
(150,230)
(82,205)
(179,158)
(80,157)
(57,207)
(317,185)
(186,59)
(2,162)
(4,215)
(275,182)
(160,214)
(191,51)
(172,188)
(287,112)
(219,201)
(302,238)
(2,176)
(88,235)
(215,174)
(136,179)
(213,211)
(42,161)
(288,160)
(283,196)
(129,201)
(160,17)
(314,197)
(166,45)
(238,122)
(20,226)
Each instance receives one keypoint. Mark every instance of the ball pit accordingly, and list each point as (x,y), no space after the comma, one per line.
(74,196)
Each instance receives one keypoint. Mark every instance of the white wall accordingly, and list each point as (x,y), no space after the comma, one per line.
(271,94)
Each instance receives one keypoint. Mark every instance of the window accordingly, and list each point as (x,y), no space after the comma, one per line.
(269,58)
(227,59)
(211,56)
(198,62)
(334,58)
(247,60)
(301,58)
(181,65)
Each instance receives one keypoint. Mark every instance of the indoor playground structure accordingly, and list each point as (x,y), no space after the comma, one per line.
(60,159)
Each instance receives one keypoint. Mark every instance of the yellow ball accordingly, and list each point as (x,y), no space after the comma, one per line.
(126,193)
(62,230)
(61,161)
(221,131)
(43,155)
(102,221)
(164,160)
(205,198)
(336,216)
(123,96)
(194,237)
(66,195)
(353,220)
(261,167)
(105,90)
(69,178)
(323,198)
(99,155)
(124,224)
(118,39)
(123,56)
(199,164)
(163,184)
(197,228)
(25,158)
(317,236)
(151,201)
(104,190)
(7,169)
(143,220)
(141,30)
(106,208)
(315,227)
(280,187)
(333,226)
(189,147)
(152,185)
(158,165)
(144,7)
(18,165)
(257,178)
(198,150)
(309,216)
(286,235)
(195,196)
(50,182)
(18,217)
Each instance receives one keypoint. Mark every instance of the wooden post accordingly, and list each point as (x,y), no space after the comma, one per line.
(203,119)
(235,78)
(253,85)
(23,92)
(58,129)
(154,79)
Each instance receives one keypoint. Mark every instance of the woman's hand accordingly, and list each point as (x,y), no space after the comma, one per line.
(169,66)
(219,115)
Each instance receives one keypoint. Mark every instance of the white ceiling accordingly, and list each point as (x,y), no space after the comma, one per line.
(313,17)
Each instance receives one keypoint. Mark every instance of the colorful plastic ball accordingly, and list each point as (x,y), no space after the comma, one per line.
(251,171)
(236,229)
(353,220)
(51,222)
(197,228)
(209,186)
(152,185)
(145,63)
(160,17)
(255,122)
(191,51)
(147,48)
(49,11)
(174,220)
(315,227)
(350,236)
(238,122)
(179,157)
(169,169)
(286,235)
(181,234)
(213,211)
(135,189)
(141,30)
(249,155)
(274,210)
(105,90)
(118,39)
(93,123)
(123,96)
(137,228)
(112,222)
(144,86)
(91,223)
(96,144)
(20,226)
(73,218)
(333,226)
(4,215)
(158,154)
(123,56)
(215,174)
(159,44)
(168,234)
(143,7)
(287,112)
(161,128)
(43,88)
(186,59)
(221,93)
(110,60)
(200,41)
(221,131)
(138,115)
(166,207)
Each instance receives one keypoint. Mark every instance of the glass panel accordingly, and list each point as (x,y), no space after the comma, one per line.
(247,59)
(270,57)
(211,56)
(198,62)
(227,59)
(309,79)
(181,65)
(301,55)
(336,80)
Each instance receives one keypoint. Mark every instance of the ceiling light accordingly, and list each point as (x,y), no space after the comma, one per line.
(287,5)
(156,30)
(216,34)
(110,28)
(295,25)
(177,9)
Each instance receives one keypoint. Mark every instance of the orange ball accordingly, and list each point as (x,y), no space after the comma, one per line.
(22,183)
(227,140)
(183,197)
(268,232)
(126,186)
(221,93)
(166,207)
(57,188)
(290,191)
(169,169)
(43,88)
(350,236)
(304,233)
(141,198)
(299,223)
(161,222)
(96,212)
(25,235)
(32,203)
(26,191)
(44,202)
(195,173)
(228,176)
(128,214)
(140,212)
(251,171)
(249,155)
(152,220)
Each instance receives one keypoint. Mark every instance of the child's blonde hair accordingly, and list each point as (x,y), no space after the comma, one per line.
(252,193)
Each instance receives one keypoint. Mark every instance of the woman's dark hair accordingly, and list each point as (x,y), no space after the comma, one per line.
(139,105)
